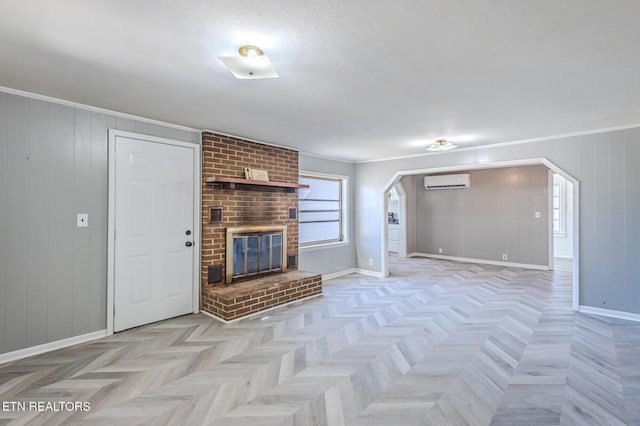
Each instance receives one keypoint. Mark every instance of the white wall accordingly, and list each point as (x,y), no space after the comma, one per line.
(605,164)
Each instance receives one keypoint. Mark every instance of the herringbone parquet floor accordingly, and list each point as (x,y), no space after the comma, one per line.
(437,343)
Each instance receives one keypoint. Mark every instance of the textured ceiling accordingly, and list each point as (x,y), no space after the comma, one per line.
(359,79)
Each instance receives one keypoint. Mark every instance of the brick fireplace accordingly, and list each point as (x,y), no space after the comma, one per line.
(256,221)
(254,251)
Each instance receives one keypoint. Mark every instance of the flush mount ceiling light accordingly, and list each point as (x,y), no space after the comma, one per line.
(441,145)
(252,63)
(248,51)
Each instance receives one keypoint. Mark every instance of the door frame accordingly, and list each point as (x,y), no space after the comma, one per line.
(111,232)
(402,227)
(402,214)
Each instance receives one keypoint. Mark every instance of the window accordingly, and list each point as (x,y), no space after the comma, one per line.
(559,206)
(321,207)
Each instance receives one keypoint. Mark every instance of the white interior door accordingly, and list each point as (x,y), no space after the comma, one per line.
(153,222)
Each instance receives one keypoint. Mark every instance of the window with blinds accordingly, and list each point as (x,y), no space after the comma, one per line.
(320,209)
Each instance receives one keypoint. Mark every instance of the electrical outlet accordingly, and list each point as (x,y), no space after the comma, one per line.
(82,220)
(440,250)
(504,256)
(370,261)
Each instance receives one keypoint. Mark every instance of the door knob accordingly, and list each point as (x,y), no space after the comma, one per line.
(188,232)
(189,244)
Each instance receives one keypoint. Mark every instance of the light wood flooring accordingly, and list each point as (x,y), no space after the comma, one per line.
(436,343)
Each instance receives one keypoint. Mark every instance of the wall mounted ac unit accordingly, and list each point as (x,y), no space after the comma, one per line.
(447,181)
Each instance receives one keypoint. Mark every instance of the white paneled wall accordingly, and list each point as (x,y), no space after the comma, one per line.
(53,165)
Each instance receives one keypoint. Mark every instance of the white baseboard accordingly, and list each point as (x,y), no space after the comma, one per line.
(328,277)
(51,346)
(255,314)
(482,261)
(561,257)
(367,272)
(610,313)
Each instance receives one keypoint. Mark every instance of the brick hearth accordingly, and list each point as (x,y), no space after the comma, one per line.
(249,205)
(245,298)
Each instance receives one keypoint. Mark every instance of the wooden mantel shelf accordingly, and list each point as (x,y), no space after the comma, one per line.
(231,182)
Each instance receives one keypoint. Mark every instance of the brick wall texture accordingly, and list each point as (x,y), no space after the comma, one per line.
(244,205)
(260,294)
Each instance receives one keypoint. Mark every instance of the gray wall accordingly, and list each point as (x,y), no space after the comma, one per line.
(53,164)
(409,184)
(494,216)
(605,164)
(337,258)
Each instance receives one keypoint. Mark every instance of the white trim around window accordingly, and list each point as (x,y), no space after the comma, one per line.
(342,210)
(559,208)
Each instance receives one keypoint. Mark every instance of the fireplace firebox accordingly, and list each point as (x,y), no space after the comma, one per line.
(254,251)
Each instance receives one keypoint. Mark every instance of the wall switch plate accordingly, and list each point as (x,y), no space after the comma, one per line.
(537,215)
(82,220)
